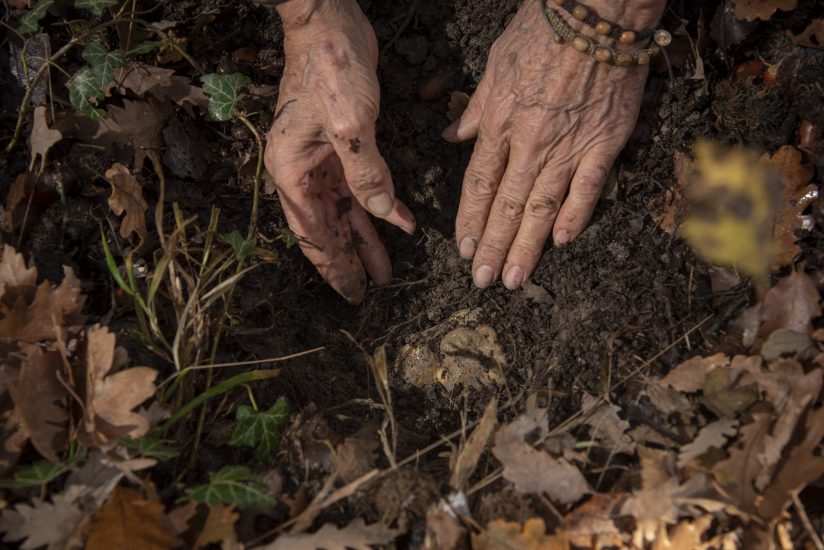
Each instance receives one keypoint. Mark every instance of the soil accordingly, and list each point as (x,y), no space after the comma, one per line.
(596,309)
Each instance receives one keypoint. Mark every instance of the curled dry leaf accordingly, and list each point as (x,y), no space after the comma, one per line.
(111,397)
(356,536)
(750,10)
(127,196)
(536,472)
(127,520)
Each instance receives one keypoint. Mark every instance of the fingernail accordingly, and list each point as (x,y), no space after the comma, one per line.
(562,237)
(380,205)
(484,276)
(451,132)
(467,247)
(514,278)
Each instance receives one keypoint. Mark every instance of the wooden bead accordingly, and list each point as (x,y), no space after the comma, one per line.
(559,2)
(579,12)
(627,37)
(581,43)
(642,58)
(602,54)
(623,59)
(603,28)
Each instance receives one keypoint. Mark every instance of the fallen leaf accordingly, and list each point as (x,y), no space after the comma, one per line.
(796,196)
(110,397)
(19,191)
(470,451)
(689,376)
(536,472)
(356,455)
(127,196)
(737,474)
(443,530)
(355,536)
(128,520)
(669,211)
(750,10)
(712,435)
(13,271)
(500,534)
(260,429)
(812,36)
(793,303)
(40,400)
(219,527)
(163,84)
(606,426)
(42,137)
(234,485)
(138,125)
(57,524)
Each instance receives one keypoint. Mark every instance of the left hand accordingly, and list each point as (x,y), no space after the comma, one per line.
(549,122)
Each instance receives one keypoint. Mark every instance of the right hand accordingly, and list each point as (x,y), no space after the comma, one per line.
(321,150)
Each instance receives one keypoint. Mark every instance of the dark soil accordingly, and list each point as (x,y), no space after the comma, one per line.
(620,294)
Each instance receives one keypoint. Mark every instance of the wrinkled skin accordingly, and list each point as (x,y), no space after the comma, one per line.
(549,123)
(321,150)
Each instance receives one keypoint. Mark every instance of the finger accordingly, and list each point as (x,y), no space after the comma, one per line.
(542,208)
(506,215)
(466,127)
(483,175)
(365,239)
(584,193)
(368,175)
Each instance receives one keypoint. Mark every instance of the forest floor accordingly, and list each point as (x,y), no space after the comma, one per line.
(657,384)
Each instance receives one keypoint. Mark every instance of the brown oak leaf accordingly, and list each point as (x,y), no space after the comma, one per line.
(42,137)
(127,520)
(750,10)
(357,535)
(219,527)
(57,524)
(127,196)
(793,303)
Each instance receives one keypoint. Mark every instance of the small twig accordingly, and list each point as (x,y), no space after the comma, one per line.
(805,520)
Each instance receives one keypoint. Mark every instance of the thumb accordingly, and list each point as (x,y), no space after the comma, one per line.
(466,127)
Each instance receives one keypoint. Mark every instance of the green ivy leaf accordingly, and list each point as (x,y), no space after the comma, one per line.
(36,475)
(260,430)
(30,21)
(234,485)
(224,93)
(96,6)
(242,247)
(83,85)
(146,46)
(151,447)
(103,60)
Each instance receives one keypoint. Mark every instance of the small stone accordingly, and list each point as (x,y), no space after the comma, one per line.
(579,12)
(623,59)
(602,54)
(627,37)
(603,28)
(581,43)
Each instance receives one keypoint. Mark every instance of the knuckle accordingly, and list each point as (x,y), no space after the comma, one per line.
(345,128)
(480,185)
(368,178)
(543,206)
(508,208)
(522,252)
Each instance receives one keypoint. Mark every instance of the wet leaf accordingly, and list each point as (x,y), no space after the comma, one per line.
(160,83)
(128,520)
(127,196)
(96,6)
(224,93)
(793,303)
(233,485)
(750,10)
(260,429)
(689,376)
(30,21)
(355,536)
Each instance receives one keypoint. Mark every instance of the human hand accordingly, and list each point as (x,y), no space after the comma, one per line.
(549,122)
(321,150)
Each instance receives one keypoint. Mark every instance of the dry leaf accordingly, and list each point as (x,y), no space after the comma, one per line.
(13,271)
(219,527)
(590,525)
(813,35)
(127,196)
(535,472)
(470,452)
(163,84)
(443,530)
(796,195)
(669,211)
(355,536)
(689,376)
(737,474)
(606,426)
(501,534)
(687,535)
(792,304)
(40,399)
(356,455)
(750,10)
(111,398)
(57,524)
(42,137)
(711,435)
(127,520)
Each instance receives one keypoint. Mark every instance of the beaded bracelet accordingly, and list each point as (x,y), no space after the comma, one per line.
(602,26)
(600,52)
